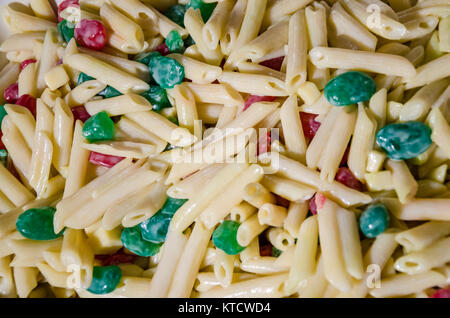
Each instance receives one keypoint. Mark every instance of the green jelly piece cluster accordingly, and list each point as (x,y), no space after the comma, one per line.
(107,92)
(176,14)
(157,96)
(132,239)
(224,238)
(37,224)
(3,113)
(374,220)
(155,229)
(350,88)
(105,279)
(4,157)
(166,71)
(99,128)
(174,42)
(404,140)
(206,9)
(66,29)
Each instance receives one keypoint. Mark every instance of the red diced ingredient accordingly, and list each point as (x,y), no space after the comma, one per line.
(345,158)
(118,257)
(441,293)
(80,113)
(312,205)
(281,201)
(310,126)
(11,93)
(162,49)
(107,161)
(264,143)
(346,177)
(320,200)
(274,63)
(29,102)
(265,250)
(2,146)
(12,169)
(91,34)
(255,98)
(64,5)
(26,63)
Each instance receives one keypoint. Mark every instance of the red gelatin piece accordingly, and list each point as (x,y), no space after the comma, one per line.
(265,250)
(319,200)
(107,161)
(255,98)
(264,143)
(310,126)
(118,257)
(281,201)
(11,93)
(441,293)
(345,158)
(162,49)
(346,177)
(80,113)
(91,34)
(312,205)
(29,102)
(2,146)
(26,63)
(64,5)
(274,63)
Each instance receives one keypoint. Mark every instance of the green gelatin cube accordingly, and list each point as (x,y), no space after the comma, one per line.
(224,238)
(169,147)
(157,96)
(37,224)
(155,229)
(406,140)
(176,14)
(83,77)
(350,88)
(99,128)
(166,71)
(146,58)
(206,9)
(132,240)
(3,113)
(105,279)
(4,157)
(66,29)
(174,42)
(276,252)
(173,120)
(172,205)
(189,41)
(374,220)
(109,92)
